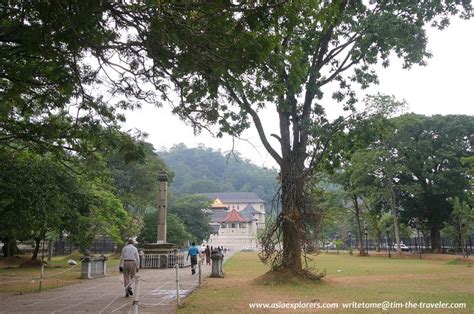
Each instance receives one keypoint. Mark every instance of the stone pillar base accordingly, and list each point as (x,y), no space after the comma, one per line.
(217,270)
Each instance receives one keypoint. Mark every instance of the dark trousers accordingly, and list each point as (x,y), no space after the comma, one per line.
(194,262)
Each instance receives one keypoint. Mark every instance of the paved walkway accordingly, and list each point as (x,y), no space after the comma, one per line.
(106,295)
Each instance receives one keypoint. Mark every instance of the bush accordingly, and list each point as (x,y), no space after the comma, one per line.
(339,245)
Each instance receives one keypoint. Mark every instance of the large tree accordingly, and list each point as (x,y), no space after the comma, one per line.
(135,177)
(48,96)
(41,197)
(176,229)
(355,155)
(433,149)
(228,66)
(192,211)
(51,106)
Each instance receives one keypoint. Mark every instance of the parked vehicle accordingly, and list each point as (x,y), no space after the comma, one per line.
(403,247)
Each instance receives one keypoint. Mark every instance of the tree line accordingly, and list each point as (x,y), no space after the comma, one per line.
(402,174)
(115,193)
(46,196)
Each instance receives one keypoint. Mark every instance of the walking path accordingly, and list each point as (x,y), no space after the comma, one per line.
(106,295)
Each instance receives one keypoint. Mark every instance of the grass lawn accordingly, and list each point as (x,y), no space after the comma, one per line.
(349,279)
(57,273)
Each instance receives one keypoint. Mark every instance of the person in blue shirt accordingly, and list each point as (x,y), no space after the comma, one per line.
(193,251)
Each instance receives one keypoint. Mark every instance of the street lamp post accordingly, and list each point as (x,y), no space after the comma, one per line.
(388,245)
(366,241)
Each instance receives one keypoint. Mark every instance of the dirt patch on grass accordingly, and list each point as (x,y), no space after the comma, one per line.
(13,261)
(286,276)
(31,263)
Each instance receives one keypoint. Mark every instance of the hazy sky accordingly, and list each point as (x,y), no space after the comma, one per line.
(444,86)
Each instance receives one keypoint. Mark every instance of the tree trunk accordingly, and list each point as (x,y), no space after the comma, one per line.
(291,242)
(397,231)
(360,232)
(50,250)
(435,238)
(378,241)
(6,249)
(315,239)
(10,248)
(393,207)
(36,250)
(292,219)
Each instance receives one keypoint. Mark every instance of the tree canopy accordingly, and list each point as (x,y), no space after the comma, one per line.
(47,87)
(434,148)
(43,197)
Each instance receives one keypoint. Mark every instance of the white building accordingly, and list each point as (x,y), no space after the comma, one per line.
(235,219)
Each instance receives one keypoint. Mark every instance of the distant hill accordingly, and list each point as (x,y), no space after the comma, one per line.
(199,170)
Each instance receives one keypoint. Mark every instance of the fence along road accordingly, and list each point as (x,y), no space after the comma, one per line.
(107,295)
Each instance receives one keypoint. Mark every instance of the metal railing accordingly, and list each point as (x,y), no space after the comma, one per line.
(164,260)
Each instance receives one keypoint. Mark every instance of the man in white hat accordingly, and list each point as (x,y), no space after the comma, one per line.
(129,262)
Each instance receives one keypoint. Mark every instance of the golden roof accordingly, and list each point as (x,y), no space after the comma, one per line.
(217,203)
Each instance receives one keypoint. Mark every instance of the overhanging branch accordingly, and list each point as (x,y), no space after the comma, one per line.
(244,103)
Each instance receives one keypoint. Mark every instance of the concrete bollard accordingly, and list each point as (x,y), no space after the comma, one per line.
(178,301)
(93,267)
(137,294)
(217,265)
(41,277)
(200,274)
